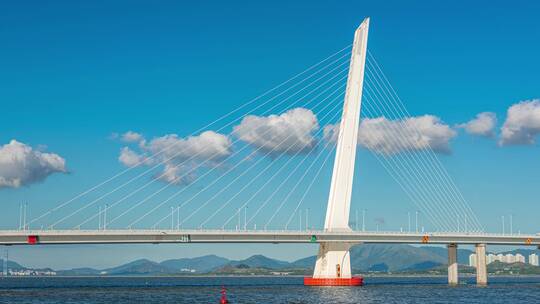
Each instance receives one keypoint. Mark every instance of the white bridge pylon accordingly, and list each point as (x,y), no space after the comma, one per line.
(333,259)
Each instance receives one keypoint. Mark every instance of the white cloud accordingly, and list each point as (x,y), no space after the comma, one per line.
(175,174)
(331,132)
(132,137)
(179,156)
(21,165)
(290,132)
(130,158)
(385,136)
(482,125)
(522,123)
(208,145)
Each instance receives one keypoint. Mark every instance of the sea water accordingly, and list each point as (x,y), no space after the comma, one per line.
(164,290)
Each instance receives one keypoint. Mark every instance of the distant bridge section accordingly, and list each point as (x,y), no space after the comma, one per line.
(125,236)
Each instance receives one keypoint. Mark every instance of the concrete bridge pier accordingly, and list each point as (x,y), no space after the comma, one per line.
(481,268)
(452,265)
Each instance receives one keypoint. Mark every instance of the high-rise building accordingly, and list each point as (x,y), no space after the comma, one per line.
(505,258)
(472,260)
(510,258)
(533,259)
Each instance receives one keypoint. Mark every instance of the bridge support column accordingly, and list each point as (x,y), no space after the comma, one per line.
(452,265)
(481,266)
(333,267)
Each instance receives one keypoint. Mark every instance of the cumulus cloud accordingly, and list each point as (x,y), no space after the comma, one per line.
(175,174)
(209,145)
(132,137)
(21,165)
(330,132)
(289,133)
(179,156)
(482,125)
(522,123)
(130,158)
(385,136)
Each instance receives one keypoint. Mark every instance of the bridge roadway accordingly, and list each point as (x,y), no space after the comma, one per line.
(138,236)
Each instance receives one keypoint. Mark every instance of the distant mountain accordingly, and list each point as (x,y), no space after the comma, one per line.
(139,267)
(463,254)
(389,257)
(364,258)
(11,265)
(308,262)
(423,266)
(202,264)
(260,261)
(395,256)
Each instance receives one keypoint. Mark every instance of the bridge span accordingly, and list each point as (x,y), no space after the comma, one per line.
(139,236)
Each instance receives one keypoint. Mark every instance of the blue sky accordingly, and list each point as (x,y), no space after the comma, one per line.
(72,74)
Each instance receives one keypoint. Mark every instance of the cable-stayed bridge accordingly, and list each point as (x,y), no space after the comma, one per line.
(274,160)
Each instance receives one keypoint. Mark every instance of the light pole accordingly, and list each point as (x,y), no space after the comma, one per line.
(511,226)
(178,217)
(364,220)
(307,219)
(172,217)
(416,213)
(409,221)
(245,218)
(356,219)
(99,216)
(105,217)
(25,211)
(20,215)
(300,219)
(239,215)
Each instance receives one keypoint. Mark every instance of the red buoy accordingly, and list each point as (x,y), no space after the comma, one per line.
(223,299)
(353,281)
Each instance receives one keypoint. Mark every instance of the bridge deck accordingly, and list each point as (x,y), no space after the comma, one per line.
(24,237)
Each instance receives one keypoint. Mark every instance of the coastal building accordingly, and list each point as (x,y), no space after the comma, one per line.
(509,258)
(504,258)
(533,259)
(31,272)
(472,260)
(491,258)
